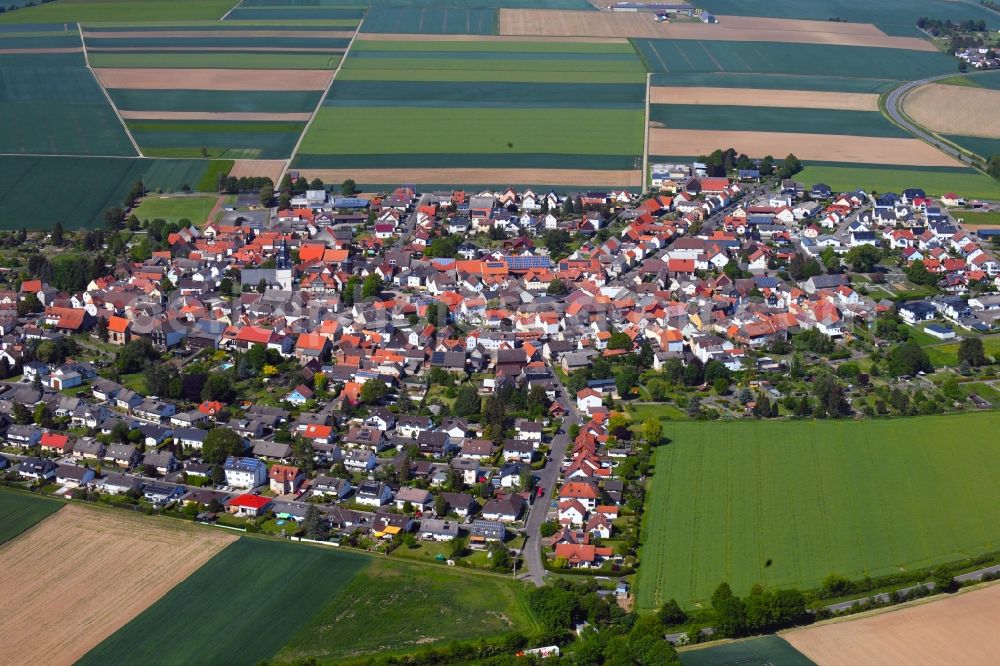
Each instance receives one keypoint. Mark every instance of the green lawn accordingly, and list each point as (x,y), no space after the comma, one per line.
(788,503)
(173,209)
(661,411)
(372,130)
(967,183)
(947,354)
(393,607)
(973,218)
(19,511)
(239,608)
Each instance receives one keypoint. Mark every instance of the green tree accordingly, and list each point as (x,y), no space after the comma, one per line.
(348,188)
(830,258)
(970,350)
(57,234)
(371,286)
(266,195)
(908,358)
(863,259)
(556,288)
(372,391)
(917,273)
(670,613)
(730,613)
(20,414)
(218,387)
(467,402)
(221,443)
(652,431)
(314,523)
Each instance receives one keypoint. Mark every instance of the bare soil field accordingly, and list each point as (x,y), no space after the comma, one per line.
(959,629)
(559,23)
(213,79)
(590,177)
(208,115)
(78,576)
(818,147)
(955,109)
(209,49)
(406,37)
(186,34)
(260,168)
(800,99)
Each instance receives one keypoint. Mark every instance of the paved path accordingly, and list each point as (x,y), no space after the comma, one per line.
(548,476)
(893,105)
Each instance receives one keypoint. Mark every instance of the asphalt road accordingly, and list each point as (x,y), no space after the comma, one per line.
(548,476)
(893,104)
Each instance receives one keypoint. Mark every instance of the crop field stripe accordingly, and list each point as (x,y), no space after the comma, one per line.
(215,60)
(182,627)
(462,160)
(235,43)
(436,75)
(485,64)
(851,498)
(935,181)
(775,119)
(263,101)
(20,512)
(507,45)
(774,82)
(90,70)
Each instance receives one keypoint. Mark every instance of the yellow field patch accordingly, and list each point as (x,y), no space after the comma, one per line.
(258,169)
(800,99)
(955,109)
(213,79)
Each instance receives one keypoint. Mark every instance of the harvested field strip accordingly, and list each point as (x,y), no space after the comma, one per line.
(465,161)
(211,60)
(431,20)
(845,177)
(484,177)
(839,148)
(350,130)
(958,629)
(801,99)
(473,94)
(955,109)
(228,27)
(59,600)
(213,79)
(231,43)
(214,115)
(183,626)
(433,75)
(20,511)
(751,119)
(368,43)
(287,35)
(542,22)
(255,101)
(255,50)
(255,168)
(788,58)
(88,184)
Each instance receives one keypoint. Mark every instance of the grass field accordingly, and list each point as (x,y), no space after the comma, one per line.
(216,101)
(684,56)
(774,119)
(942,355)
(763,651)
(985,148)
(240,607)
(83,11)
(174,209)
(788,503)
(393,607)
(965,182)
(18,512)
(88,185)
(773,81)
(431,20)
(221,139)
(974,218)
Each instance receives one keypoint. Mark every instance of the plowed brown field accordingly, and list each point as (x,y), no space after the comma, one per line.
(800,99)
(213,79)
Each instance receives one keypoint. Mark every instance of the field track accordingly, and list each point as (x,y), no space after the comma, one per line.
(580,177)
(200,115)
(955,109)
(815,147)
(83,573)
(214,79)
(556,23)
(960,629)
(800,99)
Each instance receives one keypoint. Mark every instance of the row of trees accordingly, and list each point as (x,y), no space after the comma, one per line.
(722,162)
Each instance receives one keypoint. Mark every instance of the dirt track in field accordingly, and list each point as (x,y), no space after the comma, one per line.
(479,176)
(81,574)
(255,168)
(955,109)
(818,147)
(398,37)
(200,115)
(188,34)
(213,79)
(960,629)
(800,99)
(560,23)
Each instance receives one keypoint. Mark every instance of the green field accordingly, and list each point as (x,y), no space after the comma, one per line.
(894,17)
(965,182)
(773,81)
(68,11)
(217,101)
(763,119)
(216,60)
(431,20)
(393,607)
(974,218)
(239,608)
(88,185)
(304,14)
(173,209)
(946,354)
(985,148)
(763,651)
(482,75)
(19,511)
(228,139)
(683,56)
(788,503)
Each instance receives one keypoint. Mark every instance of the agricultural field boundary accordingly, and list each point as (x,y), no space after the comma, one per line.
(86,62)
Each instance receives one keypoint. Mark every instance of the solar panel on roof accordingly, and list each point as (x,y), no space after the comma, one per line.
(523,263)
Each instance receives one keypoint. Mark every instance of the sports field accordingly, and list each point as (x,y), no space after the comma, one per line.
(788,503)
(84,572)
(393,607)
(457,105)
(844,177)
(19,511)
(176,208)
(88,185)
(240,607)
